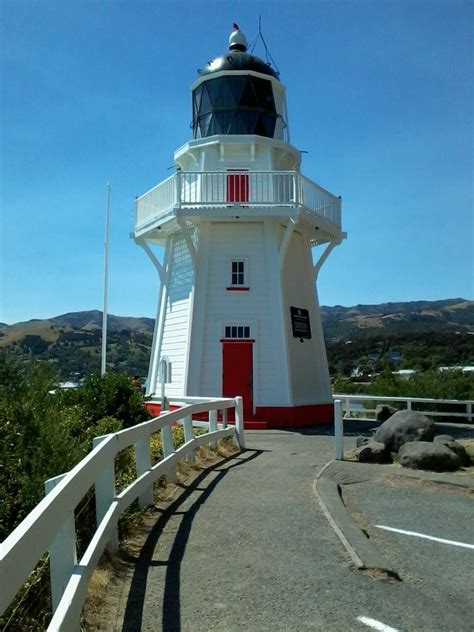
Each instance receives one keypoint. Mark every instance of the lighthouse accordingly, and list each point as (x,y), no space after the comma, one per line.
(245,235)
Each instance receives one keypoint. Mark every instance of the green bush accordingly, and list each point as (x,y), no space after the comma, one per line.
(430,384)
(35,439)
(109,395)
(45,432)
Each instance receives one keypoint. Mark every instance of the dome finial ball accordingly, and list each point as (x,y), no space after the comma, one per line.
(237,40)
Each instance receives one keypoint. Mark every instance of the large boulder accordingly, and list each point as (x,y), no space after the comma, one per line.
(461,452)
(373,452)
(402,427)
(457,448)
(443,439)
(384,412)
(424,455)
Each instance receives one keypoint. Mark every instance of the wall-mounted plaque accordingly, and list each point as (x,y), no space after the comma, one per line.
(300,322)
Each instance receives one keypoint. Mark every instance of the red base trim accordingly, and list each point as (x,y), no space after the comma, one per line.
(234,288)
(295,416)
(155,409)
(273,416)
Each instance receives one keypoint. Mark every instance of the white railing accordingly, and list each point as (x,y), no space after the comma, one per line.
(223,189)
(406,402)
(319,201)
(157,201)
(50,526)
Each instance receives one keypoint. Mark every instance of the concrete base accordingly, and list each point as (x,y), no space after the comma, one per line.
(295,416)
(274,416)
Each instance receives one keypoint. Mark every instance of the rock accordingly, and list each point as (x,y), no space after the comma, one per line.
(461,452)
(384,412)
(443,439)
(457,448)
(424,455)
(372,452)
(402,427)
(362,441)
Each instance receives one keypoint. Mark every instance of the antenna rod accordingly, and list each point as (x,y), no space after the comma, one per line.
(103,368)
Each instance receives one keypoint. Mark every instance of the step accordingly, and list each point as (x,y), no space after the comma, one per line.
(255,425)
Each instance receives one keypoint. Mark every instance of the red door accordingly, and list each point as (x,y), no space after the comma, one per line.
(237,187)
(237,372)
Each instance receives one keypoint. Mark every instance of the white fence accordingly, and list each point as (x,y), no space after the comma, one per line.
(50,526)
(353,406)
(203,189)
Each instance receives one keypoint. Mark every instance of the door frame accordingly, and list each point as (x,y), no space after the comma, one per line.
(244,173)
(247,342)
(221,323)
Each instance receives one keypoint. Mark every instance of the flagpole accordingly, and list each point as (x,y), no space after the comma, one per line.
(103,368)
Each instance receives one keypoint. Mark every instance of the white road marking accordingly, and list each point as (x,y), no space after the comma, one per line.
(427,537)
(376,625)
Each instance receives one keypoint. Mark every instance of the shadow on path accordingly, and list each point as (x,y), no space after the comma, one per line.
(171,611)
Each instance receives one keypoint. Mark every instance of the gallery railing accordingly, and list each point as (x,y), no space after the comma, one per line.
(200,190)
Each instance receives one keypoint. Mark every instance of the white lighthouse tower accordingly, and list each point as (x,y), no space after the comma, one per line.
(238,312)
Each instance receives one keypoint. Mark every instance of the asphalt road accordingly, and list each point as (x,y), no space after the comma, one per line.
(441,571)
(250,549)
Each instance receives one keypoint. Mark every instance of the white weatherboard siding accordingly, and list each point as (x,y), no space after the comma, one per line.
(240,241)
(175,330)
(308,367)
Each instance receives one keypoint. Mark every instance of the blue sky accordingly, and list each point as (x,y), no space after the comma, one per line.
(380,95)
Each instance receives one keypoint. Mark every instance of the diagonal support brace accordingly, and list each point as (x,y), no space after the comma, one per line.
(285,242)
(329,248)
(159,267)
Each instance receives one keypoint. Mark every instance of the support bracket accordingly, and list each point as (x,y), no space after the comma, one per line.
(159,267)
(329,248)
(290,227)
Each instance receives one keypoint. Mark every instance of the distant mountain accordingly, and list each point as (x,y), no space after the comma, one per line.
(401,318)
(93,320)
(72,341)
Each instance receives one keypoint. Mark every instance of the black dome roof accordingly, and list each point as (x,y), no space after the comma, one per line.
(238,60)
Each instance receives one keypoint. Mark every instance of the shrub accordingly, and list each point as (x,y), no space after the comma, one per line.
(109,395)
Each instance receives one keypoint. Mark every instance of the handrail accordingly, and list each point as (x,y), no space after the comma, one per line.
(24,547)
(468,404)
(221,189)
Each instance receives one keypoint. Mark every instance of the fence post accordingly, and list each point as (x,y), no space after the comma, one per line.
(62,551)
(338,430)
(143,459)
(224,417)
(105,494)
(469,412)
(213,425)
(239,422)
(168,449)
(409,402)
(188,436)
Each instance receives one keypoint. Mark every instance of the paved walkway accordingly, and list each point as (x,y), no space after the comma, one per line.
(247,547)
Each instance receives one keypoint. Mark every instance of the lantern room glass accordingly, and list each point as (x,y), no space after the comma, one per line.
(239,104)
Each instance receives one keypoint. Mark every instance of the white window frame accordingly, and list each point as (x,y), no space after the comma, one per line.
(243,260)
(236,327)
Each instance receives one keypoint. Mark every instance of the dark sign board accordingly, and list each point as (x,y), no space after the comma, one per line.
(300,322)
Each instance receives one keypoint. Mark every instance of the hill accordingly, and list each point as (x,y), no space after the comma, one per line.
(73,342)
(401,318)
(421,334)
